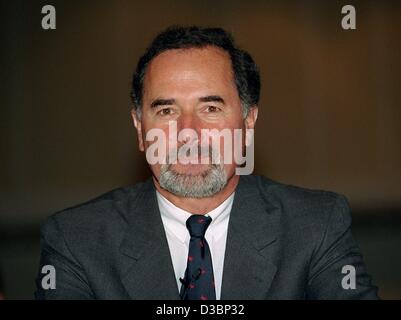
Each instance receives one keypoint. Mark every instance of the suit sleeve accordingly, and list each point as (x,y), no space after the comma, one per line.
(70,280)
(337,270)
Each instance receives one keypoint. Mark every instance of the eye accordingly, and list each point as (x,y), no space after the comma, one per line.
(165,111)
(212,109)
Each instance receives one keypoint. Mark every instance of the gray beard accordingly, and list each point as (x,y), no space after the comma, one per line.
(205,184)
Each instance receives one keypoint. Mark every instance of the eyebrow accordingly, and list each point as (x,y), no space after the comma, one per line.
(212,99)
(169,102)
(161,102)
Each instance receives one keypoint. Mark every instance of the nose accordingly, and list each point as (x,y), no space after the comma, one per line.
(188,120)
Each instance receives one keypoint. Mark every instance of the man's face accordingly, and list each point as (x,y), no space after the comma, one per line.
(195,88)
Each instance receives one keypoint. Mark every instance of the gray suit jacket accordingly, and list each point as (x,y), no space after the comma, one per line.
(283,242)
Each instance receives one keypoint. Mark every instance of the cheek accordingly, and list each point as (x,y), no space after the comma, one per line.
(158,138)
(228,122)
(150,130)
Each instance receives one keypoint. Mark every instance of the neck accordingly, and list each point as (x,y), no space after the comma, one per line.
(200,205)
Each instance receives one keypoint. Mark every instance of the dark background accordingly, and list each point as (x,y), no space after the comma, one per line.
(329,118)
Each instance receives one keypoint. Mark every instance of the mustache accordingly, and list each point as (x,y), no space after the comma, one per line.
(196,149)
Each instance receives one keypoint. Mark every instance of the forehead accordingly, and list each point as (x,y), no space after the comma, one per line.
(209,64)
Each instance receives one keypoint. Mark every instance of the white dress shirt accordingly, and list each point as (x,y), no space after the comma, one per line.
(174,221)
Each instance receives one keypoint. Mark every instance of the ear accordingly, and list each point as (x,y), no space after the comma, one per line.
(138,126)
(250,122)
(250,119)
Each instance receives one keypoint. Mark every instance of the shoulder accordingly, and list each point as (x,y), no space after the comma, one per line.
(287,193)
(105,214)
(302,205)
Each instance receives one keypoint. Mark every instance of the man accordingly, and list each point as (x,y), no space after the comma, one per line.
(197,229)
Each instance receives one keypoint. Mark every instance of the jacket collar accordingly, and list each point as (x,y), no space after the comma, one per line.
(251,249)
(148,270)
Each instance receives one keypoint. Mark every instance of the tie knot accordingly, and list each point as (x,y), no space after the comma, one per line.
(197,225)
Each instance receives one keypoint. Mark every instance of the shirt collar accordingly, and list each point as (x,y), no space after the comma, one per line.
(175,218)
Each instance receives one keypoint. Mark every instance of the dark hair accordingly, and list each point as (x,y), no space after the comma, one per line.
(246,73)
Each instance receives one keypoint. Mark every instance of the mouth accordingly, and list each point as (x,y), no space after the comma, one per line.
(188,158)
(190,169)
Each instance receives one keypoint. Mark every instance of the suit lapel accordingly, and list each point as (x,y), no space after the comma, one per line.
(251,249)
(147,271)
